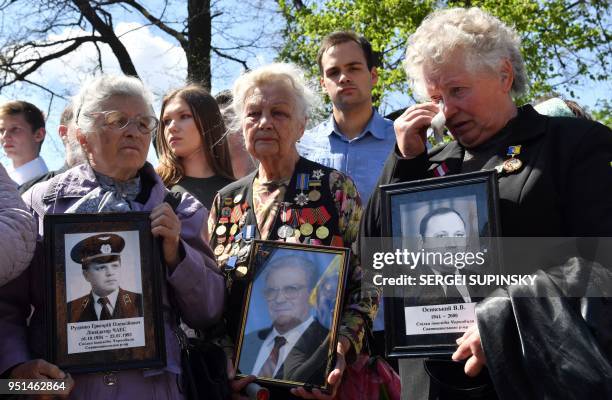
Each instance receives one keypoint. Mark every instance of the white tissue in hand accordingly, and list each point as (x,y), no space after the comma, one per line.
(436,129)
(438,121)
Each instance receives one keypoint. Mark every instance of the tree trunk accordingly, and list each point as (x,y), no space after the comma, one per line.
(106,31)
(199,44)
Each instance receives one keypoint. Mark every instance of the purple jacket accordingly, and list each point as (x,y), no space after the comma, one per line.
(197,284)
(17,231)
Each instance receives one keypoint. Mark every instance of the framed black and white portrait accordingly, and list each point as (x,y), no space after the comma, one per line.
(104,310)
(446,229)
(291,313)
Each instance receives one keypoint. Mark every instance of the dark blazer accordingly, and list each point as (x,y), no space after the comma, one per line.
(128,305)
(306,362)
(42,178)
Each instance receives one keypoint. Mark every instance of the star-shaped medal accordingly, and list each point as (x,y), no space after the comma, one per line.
(301,199)
(317,173)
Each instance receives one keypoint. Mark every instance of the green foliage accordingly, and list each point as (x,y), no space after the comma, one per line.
(603,113)
(564,41)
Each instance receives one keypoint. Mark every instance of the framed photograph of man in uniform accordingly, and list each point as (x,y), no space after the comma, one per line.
(290,318)
(445,229)
(104,309)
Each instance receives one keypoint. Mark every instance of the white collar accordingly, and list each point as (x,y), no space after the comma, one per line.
(292,335)
(112,299)
(28,171)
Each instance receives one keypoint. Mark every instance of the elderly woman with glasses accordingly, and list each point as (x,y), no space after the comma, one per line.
(288,198)
(115,120)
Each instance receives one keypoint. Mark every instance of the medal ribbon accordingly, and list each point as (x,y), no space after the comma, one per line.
(236,214)
(513,150)
(321,215)
(307,215)
(302,182)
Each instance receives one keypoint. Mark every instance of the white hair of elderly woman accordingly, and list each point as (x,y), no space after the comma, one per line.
(484,40)
(288,74)
(96,91)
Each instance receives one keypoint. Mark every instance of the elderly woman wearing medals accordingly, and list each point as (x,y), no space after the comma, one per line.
(287,198)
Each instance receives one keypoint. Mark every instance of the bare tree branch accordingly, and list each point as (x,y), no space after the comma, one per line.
(157,22)
(46,89)
(101,67)
(125,62)
(37,63)
(227,56)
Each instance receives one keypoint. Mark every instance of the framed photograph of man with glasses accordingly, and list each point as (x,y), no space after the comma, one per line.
(290,317)
(448,228)
(104,308)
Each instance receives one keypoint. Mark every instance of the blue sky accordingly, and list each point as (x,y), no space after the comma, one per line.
(161,64)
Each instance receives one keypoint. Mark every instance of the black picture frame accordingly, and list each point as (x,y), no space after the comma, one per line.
(407,208)
(134,336)
(312,355)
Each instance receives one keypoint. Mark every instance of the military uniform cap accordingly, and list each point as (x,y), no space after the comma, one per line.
(101,248)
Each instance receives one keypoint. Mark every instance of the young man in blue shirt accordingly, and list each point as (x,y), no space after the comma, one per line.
(355,139)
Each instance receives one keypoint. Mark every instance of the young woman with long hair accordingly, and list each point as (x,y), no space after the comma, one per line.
(191,144)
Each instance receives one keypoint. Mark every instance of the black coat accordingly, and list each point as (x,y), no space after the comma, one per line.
(563,189)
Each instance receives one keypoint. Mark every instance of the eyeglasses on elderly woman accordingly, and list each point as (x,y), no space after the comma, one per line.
(119,121)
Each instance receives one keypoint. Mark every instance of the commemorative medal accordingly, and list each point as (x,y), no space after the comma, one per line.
(306,229)
(318,174)
(237,198)
(244,251)
(285,231)
(301,184)
(219,250)
(314,194)
(221,229)
(233,229)
(322,232)
(301,199)
(512,165)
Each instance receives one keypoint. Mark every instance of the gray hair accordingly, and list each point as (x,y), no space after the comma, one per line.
(484,39)
(288,74)
(98,90)
(308,267)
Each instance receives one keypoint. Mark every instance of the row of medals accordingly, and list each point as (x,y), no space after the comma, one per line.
(233,254)
(237,256)
(290,218)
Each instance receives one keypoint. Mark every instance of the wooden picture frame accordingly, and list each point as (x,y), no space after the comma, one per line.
(438,217)
(293,290)
(104,292)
